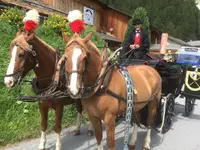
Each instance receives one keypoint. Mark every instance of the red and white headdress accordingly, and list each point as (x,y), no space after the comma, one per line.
(31,20)
(75,21)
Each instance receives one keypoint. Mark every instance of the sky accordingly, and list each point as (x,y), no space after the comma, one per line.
(198,4)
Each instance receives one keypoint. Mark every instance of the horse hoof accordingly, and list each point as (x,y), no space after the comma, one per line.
(90,133)
(131,147)
(76,133)
(145,148)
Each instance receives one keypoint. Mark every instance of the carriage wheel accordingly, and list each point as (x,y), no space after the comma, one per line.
(189,106)
(169,113)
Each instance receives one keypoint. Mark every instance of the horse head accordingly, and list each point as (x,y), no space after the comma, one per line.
(22,58)
(77,54)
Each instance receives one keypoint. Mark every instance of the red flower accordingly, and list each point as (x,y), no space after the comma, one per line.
(30,25)
(77,26)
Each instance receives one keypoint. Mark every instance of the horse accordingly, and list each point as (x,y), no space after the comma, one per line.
(28,52)
(85,69)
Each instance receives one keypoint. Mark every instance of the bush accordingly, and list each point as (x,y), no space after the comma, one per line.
(56,23)
(13,16)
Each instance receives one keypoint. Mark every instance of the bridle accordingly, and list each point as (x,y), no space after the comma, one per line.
(20,70)
(81,73)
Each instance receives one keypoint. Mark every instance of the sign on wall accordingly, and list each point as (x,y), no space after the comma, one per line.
(88,15)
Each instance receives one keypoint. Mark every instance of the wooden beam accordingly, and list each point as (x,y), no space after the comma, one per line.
(45,6)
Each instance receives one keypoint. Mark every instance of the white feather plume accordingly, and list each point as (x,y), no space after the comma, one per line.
(32,15)
(74,15)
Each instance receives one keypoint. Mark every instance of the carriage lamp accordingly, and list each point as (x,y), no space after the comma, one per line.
(168,56)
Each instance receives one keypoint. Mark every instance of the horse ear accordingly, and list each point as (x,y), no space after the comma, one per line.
(65,37)
(75,35)
(31,36)
(18,32)
(87,37)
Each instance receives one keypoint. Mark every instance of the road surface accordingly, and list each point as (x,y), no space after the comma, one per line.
(184,135)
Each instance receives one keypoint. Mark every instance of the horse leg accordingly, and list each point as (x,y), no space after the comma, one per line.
(110,130)
(152,107)
(133,139)
(59,113)
(79,108)
(97,126)
(90,129)
(44,117)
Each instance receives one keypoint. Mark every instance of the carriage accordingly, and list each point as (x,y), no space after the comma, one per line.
(180,77)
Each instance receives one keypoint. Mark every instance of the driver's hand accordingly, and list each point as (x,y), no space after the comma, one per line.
(137,46)
(132,46)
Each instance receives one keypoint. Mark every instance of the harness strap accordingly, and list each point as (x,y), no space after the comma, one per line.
(57,72)
(123,99)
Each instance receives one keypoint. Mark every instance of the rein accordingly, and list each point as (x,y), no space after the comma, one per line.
(18,71)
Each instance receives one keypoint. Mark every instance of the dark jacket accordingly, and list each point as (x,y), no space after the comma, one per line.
(144,45)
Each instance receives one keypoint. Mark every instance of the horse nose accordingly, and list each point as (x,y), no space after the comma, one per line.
(73,90)
(9,82)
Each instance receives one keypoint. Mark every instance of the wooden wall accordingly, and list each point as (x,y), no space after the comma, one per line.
(117,21)
(104,17)
(68,5)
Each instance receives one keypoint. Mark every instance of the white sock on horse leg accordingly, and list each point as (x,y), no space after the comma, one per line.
(42,140)
(147,139)
(58,142)
(134,135)
(100,146)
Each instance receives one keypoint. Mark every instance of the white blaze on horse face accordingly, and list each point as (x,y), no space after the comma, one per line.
(73,83)
(9,81)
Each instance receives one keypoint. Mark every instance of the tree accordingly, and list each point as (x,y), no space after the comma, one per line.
(140,13)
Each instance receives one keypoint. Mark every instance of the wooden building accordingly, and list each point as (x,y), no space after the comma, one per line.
(106,19)
(109,22)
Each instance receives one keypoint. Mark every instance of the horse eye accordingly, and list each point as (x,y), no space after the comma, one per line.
(21,55)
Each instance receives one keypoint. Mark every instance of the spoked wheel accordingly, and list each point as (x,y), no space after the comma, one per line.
(169,113)
(189,106)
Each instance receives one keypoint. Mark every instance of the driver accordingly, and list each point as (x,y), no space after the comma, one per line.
(137,42)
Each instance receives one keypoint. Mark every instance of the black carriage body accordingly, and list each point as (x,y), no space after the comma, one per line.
(173,76)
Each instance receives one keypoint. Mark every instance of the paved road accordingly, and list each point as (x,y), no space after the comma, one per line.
(184,135)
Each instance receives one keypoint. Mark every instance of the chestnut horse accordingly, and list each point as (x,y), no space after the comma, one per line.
(28,52)
(84,68)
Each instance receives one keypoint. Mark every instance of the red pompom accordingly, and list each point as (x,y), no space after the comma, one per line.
(30,25)
(77,26)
